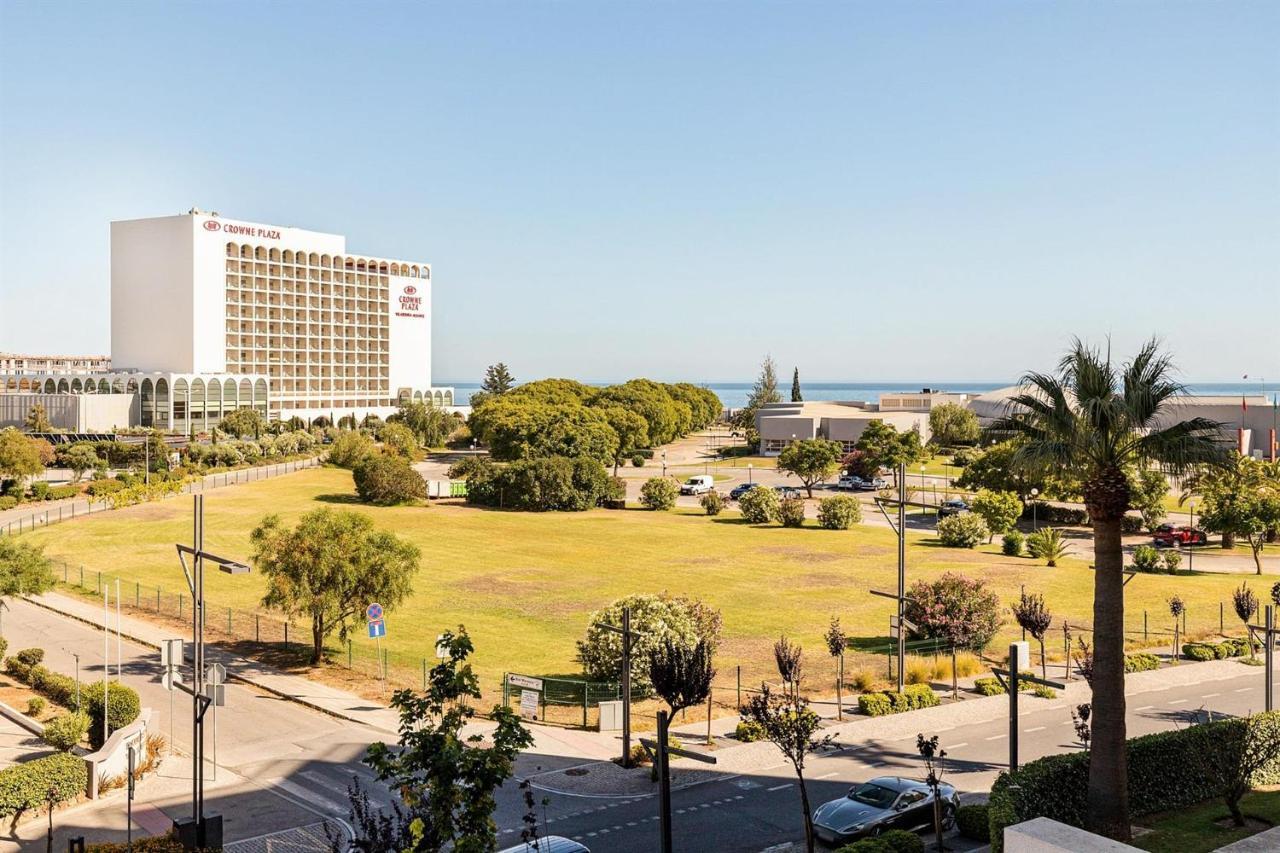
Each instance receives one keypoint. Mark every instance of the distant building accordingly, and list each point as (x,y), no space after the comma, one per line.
(779,424)
(12,362)
(210,314)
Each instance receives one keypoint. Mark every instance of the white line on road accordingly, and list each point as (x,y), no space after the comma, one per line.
(1146,708)
(1243,689)
(308,795)
(996,737)
(832,773)
(1036,729)
(778,787)
(1209,695)
(956,746)
(1176,701)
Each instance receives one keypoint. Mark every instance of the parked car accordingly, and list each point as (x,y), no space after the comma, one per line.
(787,491)
(849,482)
(699,484)
(877,484)
(741,489)
(954,506)
(884,803)
(548,844)
(1168,536)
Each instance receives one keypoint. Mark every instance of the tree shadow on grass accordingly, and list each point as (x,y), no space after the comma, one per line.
(870,644)
(338,499)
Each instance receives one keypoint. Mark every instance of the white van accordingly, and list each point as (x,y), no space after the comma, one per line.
(697,485)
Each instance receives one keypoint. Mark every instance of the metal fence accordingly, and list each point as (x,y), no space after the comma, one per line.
(561,700)
(82,506)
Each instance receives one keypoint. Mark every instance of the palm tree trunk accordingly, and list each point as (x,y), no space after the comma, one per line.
(1108,767)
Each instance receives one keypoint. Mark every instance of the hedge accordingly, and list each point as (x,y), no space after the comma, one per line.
(991,686)
(972,822)
(1057,786)
(8,502)
(154,844)
(1199,651)
(29,785)
(66,731)
(893,841)
(913,696)
(124,706)
(1141,662)
(749,731)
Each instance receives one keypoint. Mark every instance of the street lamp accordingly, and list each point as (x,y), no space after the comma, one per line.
(199,831)
(749,480)
(1034,522)
(1191,550)
(922,487)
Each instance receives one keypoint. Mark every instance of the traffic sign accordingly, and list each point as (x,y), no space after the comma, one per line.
(373,612)
(442,650)
(525,681)
(377,628)
(216,674)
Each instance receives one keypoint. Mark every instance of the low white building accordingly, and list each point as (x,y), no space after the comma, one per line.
(779,424)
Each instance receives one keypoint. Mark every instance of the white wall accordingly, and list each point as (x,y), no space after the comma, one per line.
(410,333)
(151,294)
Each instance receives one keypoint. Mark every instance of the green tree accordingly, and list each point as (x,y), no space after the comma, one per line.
(658,493)
(882,446)
(385,479)
(38,419)
(631,430)
(812,460)
(81,457)
(19,456)
(963,611)
(24,569)
(1241,499)
(796,396)
(431,425)
(951,424)
(243,423)
(398,440)
(329,568)
(1034,618)
(1000,510)
(763,392)
(1148,488)
(497,380)
(443,770)
(1095,421)
(655,619)
(349,449)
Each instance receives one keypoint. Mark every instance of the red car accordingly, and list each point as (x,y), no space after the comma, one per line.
(1168,536)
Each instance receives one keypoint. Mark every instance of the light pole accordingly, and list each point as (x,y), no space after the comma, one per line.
(1191,540)
(749,475)
(199,831)
(1035,523)
(922,487)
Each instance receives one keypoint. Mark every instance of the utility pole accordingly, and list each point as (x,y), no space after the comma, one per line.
(1011,679)
(899,624)
(1268,631)
(627,635)
(661,753)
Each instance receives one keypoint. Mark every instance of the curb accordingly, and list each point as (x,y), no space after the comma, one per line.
(231,675)
(21,719)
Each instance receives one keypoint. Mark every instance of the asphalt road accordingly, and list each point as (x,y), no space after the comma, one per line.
(751,812)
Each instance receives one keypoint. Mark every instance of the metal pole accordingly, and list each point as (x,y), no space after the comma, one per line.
(902,571)
(664,783)
(119,673)
(106,661)
(739,688)
(129,805)
(709,740)
(1013,708)
(626,687)
(1269,657)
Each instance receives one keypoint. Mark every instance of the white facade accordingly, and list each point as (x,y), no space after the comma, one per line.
(333,333)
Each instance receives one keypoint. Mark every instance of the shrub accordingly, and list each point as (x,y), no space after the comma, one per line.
(39,490)
(1198,651)
(989,686)
(637,461)
(965,530)
(66,731)
(891,702)
(615,491)
(4,647)
(749,731)
(101,488)
(1044,691)
(385,479)
(1146,558)
(967,663)
(8,502)
(35,706)
(541,484)
(972,823)
(1141,662)
(1056,786)
(839,513)
(918,670)
(759,505)
(1047,544)
(712,502)
(349,449)
(123,708)
(154,844)
(1011,544)
(60,777)
(31,657)
(1131,524)
(999,509)
(61,493)
(864,681)
(791,512)
(60,689)
(658,493)
(1172,560)
(893,841)
(963,611)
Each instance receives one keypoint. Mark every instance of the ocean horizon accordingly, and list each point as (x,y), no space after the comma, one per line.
(734,394)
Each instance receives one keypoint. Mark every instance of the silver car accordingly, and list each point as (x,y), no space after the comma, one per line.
(884,803)
(548,844)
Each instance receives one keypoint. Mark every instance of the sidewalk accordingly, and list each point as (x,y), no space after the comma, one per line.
(317,696)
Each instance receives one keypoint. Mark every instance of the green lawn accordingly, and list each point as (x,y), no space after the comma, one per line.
(1193,830)
(524,584)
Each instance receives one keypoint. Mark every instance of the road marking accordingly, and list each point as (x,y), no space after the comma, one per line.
(996,737)
(1036,729)
(1145,708)
(340,790)
(1244,689)
(956,746)
(827,775)
(1209,695)
(1176,701)
(308,795)
(778,787)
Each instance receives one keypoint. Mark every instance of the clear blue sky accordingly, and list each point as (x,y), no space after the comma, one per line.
(868,191)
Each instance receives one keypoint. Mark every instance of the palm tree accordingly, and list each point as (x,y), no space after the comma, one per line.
(1094,419)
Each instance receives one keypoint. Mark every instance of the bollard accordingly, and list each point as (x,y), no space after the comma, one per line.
(424,687)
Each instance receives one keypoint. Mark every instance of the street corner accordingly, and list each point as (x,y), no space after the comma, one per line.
(609,780)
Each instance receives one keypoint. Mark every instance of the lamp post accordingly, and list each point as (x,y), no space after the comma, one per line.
(1191,540)
(922,487)
(199,831)
(749,476)
(1035,523)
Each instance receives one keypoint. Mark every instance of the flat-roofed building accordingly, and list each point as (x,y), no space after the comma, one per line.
(779,424)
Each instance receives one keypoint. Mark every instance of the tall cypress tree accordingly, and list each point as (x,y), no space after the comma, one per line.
(795,386)
(497,380)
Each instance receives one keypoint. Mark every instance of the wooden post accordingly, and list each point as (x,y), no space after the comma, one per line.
(840,687)
(710,742)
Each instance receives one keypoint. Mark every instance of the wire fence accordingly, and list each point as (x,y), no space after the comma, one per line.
(87,505)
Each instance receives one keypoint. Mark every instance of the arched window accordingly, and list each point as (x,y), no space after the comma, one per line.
(162,404)
(197,404)
(180,396)
(417,396)
(213,403)
(117,385)
(232,250)
(104,387)
(448,398)
(147,412)
(75,386)
(288,256)
(246,394)
(64,387)
(50,387)
(260,396)
(229,403)
(131,387)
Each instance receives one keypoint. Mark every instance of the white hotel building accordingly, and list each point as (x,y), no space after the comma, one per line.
(210,314)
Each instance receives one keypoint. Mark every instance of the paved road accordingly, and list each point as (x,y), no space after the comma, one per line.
(753,811)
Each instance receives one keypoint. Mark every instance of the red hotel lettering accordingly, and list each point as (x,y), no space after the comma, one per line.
(252,231)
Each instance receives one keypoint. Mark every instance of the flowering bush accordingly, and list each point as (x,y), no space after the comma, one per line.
(963,611)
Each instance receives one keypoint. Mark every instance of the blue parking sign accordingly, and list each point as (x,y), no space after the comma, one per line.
(377,628)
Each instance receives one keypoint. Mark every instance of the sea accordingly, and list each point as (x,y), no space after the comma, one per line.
(734,394)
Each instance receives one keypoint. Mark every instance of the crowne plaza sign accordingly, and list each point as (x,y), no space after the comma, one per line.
(242,230)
